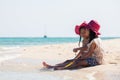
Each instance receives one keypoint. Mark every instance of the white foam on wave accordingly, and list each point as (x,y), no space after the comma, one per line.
(7,57)
(7,53)
(9,48)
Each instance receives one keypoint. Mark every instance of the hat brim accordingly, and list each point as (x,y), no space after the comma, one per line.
(97,33)
(77,27)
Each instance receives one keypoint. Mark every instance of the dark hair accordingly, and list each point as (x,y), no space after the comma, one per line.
(92,35)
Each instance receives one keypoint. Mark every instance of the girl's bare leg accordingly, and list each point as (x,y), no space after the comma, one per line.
(81,63)
(65,63)
(61,65)
(57,65)
(68,61)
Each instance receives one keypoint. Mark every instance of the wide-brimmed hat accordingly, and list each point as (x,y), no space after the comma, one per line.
(77,27)
(94,26)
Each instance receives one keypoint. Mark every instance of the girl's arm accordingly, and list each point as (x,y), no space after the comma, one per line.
(80,48)
(81,51)
(78,55)
(83,48)
(90,52)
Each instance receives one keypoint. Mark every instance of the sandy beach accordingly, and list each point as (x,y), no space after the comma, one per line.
(28,65)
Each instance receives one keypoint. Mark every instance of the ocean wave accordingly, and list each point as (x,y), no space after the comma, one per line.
(7,53)
(9,48)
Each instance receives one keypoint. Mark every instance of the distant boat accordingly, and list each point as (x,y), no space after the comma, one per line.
(45,36)
(45,31)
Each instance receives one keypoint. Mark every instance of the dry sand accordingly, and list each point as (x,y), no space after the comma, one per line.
(29,65)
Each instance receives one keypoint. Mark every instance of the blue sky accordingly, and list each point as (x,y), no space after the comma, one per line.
(57,18)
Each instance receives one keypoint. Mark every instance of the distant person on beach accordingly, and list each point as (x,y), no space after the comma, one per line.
(91,52)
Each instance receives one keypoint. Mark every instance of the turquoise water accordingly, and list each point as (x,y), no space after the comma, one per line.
(20,41)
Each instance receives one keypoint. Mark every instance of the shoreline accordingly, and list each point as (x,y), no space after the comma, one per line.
(32,56)
(39,41)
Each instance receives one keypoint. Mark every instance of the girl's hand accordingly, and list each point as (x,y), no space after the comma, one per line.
(75,49)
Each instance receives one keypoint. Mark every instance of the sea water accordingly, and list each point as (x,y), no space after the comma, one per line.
(27,41)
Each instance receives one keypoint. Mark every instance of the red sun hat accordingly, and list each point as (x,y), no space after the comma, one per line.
(94,26)
(77,27)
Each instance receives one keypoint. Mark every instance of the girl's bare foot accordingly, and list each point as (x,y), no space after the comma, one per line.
(47,65)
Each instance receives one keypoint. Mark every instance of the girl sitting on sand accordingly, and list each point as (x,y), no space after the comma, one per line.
(91,52)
